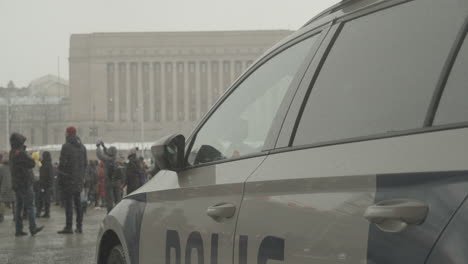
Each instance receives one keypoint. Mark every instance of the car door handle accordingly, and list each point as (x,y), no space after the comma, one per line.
(222,210)
(396,215)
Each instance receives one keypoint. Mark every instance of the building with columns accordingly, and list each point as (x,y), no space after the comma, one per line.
(39,111)
(135,87)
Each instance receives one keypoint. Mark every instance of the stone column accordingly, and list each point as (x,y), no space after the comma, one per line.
(187,84)
(175,112)
(197,90)
(127,89)
(151,90)
(221,78)
(140,104)
(210,85)
(116,92)
(232,68)
(163,90)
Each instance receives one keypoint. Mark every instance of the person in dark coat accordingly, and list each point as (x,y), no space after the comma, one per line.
(112,175)
(71,170)
(46,180)
(133,172)
(21,165)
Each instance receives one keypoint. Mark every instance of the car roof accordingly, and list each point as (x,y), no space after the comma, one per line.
(340,9)
(346,6)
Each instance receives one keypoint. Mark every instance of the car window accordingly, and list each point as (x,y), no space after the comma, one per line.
(453,106)
(378,77)
(241,124)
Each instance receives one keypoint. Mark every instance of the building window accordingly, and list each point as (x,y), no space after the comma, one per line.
(192,67)
(203,67)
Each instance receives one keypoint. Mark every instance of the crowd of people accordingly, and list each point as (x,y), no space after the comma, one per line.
(30,182)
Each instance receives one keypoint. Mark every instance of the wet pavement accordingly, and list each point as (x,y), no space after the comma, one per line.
(48,246)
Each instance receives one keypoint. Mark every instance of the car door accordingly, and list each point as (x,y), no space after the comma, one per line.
(358,176)
(191,215)
(452,115)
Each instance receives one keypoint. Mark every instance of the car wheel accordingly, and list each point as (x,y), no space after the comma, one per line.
(117,256)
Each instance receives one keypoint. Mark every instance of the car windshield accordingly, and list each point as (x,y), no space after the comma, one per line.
(87,87)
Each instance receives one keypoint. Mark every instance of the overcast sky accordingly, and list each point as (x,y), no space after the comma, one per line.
(34,33)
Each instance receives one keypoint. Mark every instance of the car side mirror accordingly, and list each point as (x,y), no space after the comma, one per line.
(168,152)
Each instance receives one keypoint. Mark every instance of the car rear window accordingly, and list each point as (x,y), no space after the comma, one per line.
(380,74)
(453,106)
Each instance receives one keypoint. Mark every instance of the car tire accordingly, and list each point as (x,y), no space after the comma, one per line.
(116,256)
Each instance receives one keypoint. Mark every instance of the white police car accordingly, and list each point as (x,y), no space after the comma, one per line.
(346,143)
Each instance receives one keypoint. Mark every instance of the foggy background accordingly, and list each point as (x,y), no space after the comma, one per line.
(35,33)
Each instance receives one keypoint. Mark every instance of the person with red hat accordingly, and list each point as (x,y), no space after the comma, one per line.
(71,171)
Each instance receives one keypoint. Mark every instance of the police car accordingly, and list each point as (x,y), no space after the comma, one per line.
(347,142)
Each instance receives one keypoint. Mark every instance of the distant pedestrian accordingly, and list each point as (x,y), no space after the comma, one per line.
(21,165)
(36,188)
(7,196)
(112,174)
(46,180)
(58,196)
(71,170)
(100,186)
(133,172)
(92,180)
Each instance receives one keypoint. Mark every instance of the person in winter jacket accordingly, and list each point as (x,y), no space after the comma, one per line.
(133,172)
(71,170)
(46,180)
(7,196)
(21,165)
(112,175)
